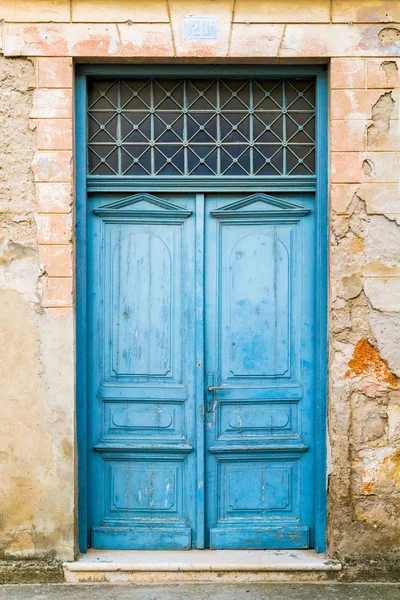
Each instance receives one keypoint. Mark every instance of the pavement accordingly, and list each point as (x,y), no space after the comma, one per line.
(264,591)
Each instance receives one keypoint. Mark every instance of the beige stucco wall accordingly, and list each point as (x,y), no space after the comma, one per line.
(37,449)
(361,40)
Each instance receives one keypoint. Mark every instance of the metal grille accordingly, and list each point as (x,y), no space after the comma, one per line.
(222,127)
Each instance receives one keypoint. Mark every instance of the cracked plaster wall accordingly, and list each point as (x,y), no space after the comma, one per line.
(36,366)
(364,413)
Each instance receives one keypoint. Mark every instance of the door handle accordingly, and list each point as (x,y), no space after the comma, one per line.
(211,389)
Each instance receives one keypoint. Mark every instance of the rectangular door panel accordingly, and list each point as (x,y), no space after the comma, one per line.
(259,360)
(254,279)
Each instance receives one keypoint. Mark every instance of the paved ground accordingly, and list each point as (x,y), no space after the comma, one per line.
(202,592)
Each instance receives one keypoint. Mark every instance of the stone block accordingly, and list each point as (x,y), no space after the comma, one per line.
(376,268)
(276,11)
(109,11)
(201,48)
(255,40)
(346,167)
(383,293)
(367,11)
(319,40)
(54,134)
(145,40)
(373,464)
(368,421)
(347,73)
(383,73)
(359,167)
(353,104)
(78,39)
(53,166)
(382,198)
(60,40)
(351,287)
(52,104)
(382,240)
(53,197)
(56,260)
(57,292)
(385,136)
(348,136)
(35,10)
(381,167)
(55,72)
(342,195)
(54,229)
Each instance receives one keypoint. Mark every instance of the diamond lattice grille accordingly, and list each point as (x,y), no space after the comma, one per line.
(223,127)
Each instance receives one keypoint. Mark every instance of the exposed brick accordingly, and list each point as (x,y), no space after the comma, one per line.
(54,229)
(353,104)
(367,11)
(35,10)
(348,136)
(255,40)
(52,166)
(276,11)
(201,48)
(54,134)
(383,73)
(109,11)
(55,72)
(347,73)
(51,104)
(57,292)
(56,260)
(53,197)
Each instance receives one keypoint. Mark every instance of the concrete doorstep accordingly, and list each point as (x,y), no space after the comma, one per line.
(200,566)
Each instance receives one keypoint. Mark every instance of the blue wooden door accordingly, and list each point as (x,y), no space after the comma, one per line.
(260,372)
(154,398)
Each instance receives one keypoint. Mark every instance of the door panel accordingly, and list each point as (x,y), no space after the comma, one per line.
(141,323)
(259,356)
(254,330)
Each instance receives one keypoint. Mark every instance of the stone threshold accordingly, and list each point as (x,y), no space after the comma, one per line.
(200,565)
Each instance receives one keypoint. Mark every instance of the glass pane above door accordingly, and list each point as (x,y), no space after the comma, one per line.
(201,127)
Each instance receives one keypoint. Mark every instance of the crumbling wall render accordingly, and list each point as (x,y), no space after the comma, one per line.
(364,375)
(36,366)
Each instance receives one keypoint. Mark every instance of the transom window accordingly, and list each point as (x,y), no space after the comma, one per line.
(201,127)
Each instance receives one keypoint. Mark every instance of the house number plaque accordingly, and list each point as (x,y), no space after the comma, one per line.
(199,27)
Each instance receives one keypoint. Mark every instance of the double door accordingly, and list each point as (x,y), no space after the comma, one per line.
(201,379)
